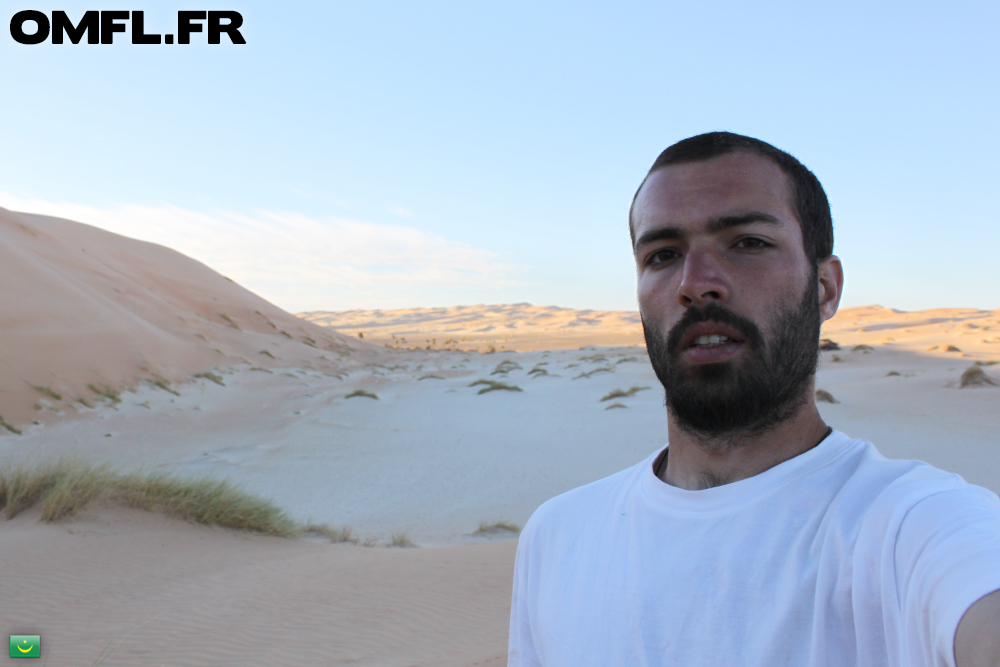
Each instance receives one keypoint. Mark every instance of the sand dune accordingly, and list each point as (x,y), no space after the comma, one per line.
(522,327)
(84,309)
(515,327)
(141,589)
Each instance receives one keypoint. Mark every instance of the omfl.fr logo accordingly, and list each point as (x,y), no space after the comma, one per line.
(99,27)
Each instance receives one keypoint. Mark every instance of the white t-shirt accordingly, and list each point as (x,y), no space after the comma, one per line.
(837,557)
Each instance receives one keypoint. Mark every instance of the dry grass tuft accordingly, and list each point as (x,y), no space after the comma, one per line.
(430,377)
(362,392)
(862,348)
(825,396)
(266,353)
(163,384)
(492,385)
(217,379)
(616,405)
(495,527)
(68,486)
(826,344)
(111,394)
(950,348)
(400,540)
(602,369)
(891,373)
(48,392)
(335,535)
(619,393)
(505,367)
(10,427)
(975,376)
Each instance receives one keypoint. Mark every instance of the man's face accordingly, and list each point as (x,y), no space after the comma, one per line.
(729,301)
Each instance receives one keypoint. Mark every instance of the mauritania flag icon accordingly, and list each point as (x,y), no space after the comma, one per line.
(25,646)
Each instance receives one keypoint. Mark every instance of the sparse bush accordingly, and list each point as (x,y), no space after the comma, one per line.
(208,375)
(10,427)
(826,344)
(400,540)
(48,392)
(619,393)
(603,369)
(824,396)
(494,527)
(163,384)
(335,535)
(975,376)
(362,392)
(494,386)
(111,394)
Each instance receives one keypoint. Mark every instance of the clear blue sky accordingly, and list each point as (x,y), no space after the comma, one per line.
(376,154)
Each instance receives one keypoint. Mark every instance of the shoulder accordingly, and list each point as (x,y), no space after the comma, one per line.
(585,504)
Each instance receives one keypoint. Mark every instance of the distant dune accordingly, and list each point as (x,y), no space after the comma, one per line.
(522,327)
(519,327)
(87,314)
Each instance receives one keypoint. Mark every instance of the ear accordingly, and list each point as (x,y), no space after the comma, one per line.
(830,274)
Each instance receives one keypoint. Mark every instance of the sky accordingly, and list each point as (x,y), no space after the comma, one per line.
(391,154)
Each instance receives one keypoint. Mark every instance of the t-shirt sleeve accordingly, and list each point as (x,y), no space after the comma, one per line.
(521,646)
(947,557)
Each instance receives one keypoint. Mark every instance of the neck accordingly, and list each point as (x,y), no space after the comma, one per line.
(696,462)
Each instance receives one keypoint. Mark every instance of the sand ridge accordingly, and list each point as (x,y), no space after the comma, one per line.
(87,314)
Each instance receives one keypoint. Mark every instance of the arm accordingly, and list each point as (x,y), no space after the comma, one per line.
(977,639)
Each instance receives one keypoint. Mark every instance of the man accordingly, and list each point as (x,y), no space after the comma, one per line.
(759,536)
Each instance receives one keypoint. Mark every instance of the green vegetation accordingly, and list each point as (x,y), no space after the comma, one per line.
(162,383)
(974,376)
(225,318)
(505,367)
(48,392)
(602,369)
(618,393)
(492,385)
(208,375)
(400,540)
(825,396)
(335,535)
(111,394)
(494,527)
(66,487)
(10,427)
(361,392)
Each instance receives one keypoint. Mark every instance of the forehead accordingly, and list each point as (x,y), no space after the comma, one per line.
(696,192)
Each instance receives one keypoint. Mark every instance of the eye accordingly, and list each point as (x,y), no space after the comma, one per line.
(661,256)
(752,243)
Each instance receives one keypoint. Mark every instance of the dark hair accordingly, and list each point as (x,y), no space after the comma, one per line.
(810,203)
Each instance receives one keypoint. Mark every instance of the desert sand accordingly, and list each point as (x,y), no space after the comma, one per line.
(432,456)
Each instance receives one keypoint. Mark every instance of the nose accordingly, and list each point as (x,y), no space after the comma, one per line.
(702,281)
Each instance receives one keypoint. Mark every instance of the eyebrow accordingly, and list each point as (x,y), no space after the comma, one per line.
(715,226)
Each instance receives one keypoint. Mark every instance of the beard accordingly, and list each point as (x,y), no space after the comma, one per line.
(720,402)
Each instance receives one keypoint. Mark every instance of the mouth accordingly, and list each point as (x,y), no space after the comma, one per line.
(711,342)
